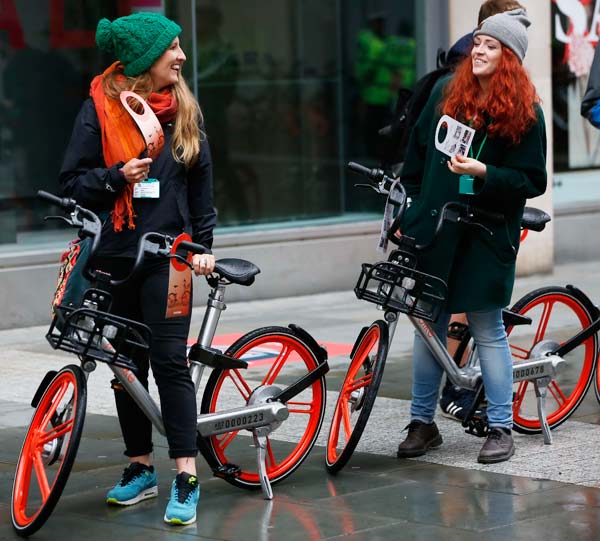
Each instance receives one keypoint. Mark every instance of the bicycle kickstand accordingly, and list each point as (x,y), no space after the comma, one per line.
(260,441)
(541,389)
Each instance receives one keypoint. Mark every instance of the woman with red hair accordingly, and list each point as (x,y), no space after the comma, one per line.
(491,92)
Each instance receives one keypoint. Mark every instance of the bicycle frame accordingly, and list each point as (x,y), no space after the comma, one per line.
(94,334)
(467,378)
(578,339)
(263,418)
(547,360)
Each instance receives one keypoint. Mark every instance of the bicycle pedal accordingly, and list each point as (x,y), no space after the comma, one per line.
(227,471)
(477,427)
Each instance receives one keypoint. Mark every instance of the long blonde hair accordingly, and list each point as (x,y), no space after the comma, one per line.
(185,144)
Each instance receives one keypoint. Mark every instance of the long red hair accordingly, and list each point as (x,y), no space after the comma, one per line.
(510,99)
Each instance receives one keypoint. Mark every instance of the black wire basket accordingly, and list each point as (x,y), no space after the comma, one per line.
(403,289)
(93,334)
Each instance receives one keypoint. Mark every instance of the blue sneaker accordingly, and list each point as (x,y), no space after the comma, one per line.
(137,483)
(185,492)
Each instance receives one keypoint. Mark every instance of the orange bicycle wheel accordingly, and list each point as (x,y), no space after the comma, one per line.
(557,314)
(49,450)
(276,357)
(357,396)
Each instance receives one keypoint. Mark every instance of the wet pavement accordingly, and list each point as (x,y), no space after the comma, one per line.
(547,492)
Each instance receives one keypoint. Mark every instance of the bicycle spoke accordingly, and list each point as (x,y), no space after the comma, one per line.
(557,393)
(240,384)
(55,403)
(520,395)
(26,480)
(524,351)
(347,423)
(360,383)
(56,432)
(308,407)
(277,366)
(42,479)
(544,319)
(226,440)
(335,424)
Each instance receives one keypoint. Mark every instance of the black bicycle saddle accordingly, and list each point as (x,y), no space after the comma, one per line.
(235,271)
(534,219)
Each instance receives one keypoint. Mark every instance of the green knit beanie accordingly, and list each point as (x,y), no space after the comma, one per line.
(137,40)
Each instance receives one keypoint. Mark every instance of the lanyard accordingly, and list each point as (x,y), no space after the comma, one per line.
(480,147)
(466,182)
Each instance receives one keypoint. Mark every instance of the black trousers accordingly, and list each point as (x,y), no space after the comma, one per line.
(144,299)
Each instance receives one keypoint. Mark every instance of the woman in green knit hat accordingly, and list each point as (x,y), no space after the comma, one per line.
(107,168)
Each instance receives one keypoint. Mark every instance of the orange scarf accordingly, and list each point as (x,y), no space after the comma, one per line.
(121,138)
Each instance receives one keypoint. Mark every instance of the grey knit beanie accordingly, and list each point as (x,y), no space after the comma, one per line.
(509,28)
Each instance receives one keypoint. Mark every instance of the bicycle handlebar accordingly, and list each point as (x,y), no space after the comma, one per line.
(456,212)
(375,175)
(160,245)
(88,223)
(90,226)
(451,211)
(193,247)
(63,202)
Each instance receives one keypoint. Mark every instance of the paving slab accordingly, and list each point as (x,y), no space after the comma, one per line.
(547,492)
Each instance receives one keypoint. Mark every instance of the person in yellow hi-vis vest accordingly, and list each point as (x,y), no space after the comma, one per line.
(378,70)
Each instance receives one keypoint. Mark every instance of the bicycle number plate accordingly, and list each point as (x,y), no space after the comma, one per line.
(533,370)
(235,423)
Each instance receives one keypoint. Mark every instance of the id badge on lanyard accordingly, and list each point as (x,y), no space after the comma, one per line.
(147,189)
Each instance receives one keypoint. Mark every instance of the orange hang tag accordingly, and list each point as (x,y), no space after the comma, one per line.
(179,296)
(147,123)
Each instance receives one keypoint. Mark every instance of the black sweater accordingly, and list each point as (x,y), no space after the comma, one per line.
(186,197)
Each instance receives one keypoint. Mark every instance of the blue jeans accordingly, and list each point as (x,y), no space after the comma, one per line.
(488,332)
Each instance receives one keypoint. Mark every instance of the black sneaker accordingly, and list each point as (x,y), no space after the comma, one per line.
(456,402)
(498,447)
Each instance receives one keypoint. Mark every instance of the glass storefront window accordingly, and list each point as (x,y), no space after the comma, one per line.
(379,59)
(576,142)
(291,90)
(267,83)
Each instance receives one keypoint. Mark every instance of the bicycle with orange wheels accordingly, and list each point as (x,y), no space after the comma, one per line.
(541,364)
(564,323)
(269,377)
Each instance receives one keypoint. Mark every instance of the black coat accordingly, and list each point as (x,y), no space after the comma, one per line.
(186,196)
(478,267)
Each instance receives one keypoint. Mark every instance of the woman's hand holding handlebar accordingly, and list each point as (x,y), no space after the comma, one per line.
(203,264)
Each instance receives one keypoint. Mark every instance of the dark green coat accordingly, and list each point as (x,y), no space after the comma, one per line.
(479,268)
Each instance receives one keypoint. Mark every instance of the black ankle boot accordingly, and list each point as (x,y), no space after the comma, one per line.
(420,438)
(498,447)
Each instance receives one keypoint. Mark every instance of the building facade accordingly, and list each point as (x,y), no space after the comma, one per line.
(291,90)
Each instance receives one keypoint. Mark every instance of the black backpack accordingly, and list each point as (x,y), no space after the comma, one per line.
(410,103)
